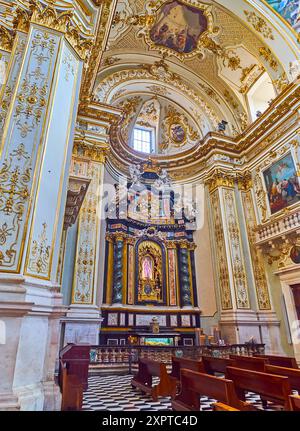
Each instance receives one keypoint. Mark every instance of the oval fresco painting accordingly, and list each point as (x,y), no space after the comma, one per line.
(295,254)
(178,27)
(178,133)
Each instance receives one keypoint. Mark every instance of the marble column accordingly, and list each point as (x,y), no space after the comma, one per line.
(185,275)
(118,279)
(36,144)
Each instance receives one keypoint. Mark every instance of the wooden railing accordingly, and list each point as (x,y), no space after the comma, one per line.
(106,356)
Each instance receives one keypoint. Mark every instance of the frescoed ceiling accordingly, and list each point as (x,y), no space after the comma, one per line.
(197,56)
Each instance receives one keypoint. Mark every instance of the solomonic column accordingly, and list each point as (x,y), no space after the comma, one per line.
(39,106)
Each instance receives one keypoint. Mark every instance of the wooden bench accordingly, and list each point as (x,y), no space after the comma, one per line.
(249,362)
(215,365)
(280,361)
(291,373)
(194,385)
(71,390)
(189,364)
(221,407)
(295,402)
(143,379)
(269,386)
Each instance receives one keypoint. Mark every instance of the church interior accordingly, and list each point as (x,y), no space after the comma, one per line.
(149,205)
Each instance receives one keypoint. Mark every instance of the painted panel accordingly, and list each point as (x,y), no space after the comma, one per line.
(43,232)
(21,137)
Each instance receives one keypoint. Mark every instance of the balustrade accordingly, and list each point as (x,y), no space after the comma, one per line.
(105,356)
(282,225)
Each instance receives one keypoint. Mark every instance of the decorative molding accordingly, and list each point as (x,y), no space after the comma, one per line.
(235,249)
(6,39)
(221,258)
(259,272)
(39,259)
(220,179)
(266,53)
(259,24)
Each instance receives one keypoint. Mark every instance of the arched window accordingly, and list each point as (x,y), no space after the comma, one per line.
(144,139)
(144,136)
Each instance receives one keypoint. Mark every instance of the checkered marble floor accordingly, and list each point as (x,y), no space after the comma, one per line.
(114,393)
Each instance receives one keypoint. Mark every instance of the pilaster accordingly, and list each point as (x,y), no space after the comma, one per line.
(83,319)
(38,111)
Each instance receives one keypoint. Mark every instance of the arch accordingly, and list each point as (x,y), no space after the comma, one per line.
(150,272)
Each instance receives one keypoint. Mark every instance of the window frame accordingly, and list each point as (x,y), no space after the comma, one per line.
(142,143)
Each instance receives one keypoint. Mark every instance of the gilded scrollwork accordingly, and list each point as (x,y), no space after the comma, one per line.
(236,252)
(21,140)
(15,174)
(261,195)
(11,80)
(177,130)
(84,272)
(40,254)
(266,53)
(223,273)
(259,24)
(261,285)
(6,39)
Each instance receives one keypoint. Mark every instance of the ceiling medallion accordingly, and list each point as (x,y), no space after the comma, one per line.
(179,28)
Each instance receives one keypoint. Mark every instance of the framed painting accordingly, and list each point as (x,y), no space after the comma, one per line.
(178,27)
(282,184)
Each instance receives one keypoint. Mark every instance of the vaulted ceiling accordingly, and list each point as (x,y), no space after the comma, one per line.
(197,56)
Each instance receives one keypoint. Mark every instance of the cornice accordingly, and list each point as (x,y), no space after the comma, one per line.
(284,108)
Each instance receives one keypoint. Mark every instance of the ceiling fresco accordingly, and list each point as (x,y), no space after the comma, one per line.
(197,55)
(289,10)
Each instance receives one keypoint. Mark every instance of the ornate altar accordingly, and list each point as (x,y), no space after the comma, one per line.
(150,262)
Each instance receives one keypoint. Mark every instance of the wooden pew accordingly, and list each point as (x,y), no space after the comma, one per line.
(188,364)
(221,407)
(194,384)
(249,362)
(143,379)
(291,373)
(280,361)
(269,386)
(71,390)
(295,402)
(215,365)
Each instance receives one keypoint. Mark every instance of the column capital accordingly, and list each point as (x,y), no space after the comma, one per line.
(51,16)
(219,178)
(244,181)
(171,244)
(6,39)
(183,244)
(93,152)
